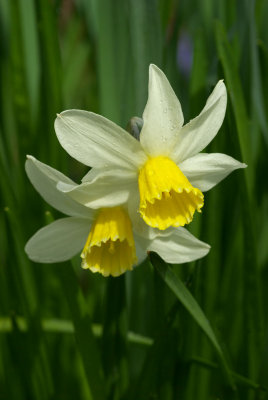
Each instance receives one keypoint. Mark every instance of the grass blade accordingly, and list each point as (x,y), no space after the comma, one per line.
(186,298)
(252,293)
(87,346)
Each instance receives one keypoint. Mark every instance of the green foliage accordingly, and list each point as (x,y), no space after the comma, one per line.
(66,333)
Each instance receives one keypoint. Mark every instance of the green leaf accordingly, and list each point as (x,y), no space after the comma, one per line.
(146,46)
(156,376)
(51,82)
(113,58)
(31,58)
(252,297)
(240,379)
(86,343)
(114,339)
(35,362)
(236,94)
(256,78)
(186,298)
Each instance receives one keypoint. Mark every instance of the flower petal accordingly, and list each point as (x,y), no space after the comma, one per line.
(45,180)
(162,115)
(141,245)
(206,170)
(139,226)
(105,189)
(58,241)
(95,141)
(198,133)
(179,247)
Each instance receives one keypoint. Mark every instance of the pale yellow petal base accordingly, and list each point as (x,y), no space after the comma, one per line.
(167,198)
(110,247)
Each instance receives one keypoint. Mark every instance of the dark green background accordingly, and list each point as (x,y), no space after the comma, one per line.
(94,55)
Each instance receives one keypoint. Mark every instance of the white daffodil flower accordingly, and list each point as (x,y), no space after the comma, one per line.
(112,243)
(164,174)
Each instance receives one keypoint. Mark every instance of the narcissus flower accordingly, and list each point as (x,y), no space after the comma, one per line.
(111,242)
(164,174)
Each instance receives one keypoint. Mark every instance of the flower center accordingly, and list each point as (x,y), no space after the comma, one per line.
(166,196)
(110,247)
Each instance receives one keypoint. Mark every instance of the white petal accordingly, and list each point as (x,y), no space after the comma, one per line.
(95,141)
(141,245)
(88,176)
(179,247)
(45,180)
(138,224)
(58,241)
(105,188)
(95,173)
(143,241)
(206,170)
(198,133)
(162,115)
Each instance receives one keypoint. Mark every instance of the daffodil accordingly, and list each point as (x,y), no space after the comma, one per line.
(109,241)
(164,174)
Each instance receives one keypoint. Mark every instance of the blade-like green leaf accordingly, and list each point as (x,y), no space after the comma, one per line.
(235,92)
(87,346)
(146,46)
(114,339)
(251,278)
(241,380)
(189,302)
(256,81)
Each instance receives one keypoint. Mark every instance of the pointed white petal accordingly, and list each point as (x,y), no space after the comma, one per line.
(198,133)
(206,170)
(138,224)
(179,247)
(104,188)
(162,115)
(141,246)
(58,241)
(96,173)
(95,141)
(88,176)
(45,180)
(144,239)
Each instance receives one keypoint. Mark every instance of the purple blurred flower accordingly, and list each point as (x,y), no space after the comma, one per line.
(185,53)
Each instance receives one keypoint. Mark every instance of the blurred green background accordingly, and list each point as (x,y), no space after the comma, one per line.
(66,333)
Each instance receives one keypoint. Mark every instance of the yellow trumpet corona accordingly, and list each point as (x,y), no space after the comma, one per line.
(110,247)
(167,198)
